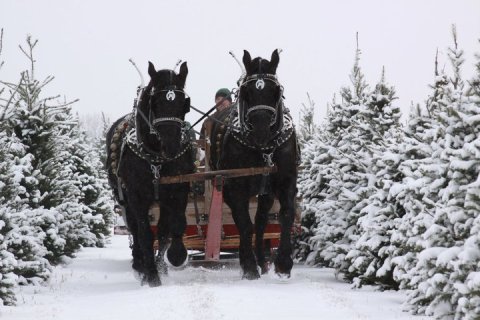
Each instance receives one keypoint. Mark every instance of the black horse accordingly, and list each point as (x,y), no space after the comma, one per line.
(258,131)
(143,146)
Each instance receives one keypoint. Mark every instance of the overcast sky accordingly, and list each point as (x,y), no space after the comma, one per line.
(86,45)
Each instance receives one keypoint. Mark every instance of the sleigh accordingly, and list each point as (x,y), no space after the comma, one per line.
(211,233)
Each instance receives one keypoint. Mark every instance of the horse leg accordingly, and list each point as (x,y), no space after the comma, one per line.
(283,260)
(239,206)
(145,240)
(137,263)
(265,203)
(177,253)
(162,236)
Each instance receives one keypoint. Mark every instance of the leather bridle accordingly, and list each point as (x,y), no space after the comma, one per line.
(276,110)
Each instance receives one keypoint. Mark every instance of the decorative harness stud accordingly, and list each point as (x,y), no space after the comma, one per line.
(170,95)
(260,84)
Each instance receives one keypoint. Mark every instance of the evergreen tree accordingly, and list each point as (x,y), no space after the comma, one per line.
(368,261)
(473,91)
(340,179)
(8,279)
(313,184)
(356,145)
(94,190)
(448,255)
(307,126)
(53,192)
(21,237)
(424,175)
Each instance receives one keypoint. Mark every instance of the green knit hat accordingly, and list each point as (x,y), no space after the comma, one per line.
(225,93)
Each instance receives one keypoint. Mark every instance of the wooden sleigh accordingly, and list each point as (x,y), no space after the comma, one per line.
(210,227)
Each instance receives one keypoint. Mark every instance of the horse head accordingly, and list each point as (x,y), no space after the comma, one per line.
(260,99)
(160,121)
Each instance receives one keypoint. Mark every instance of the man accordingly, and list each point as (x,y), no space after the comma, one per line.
(223,98)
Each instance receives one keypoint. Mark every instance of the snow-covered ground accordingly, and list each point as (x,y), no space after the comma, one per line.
(99,284)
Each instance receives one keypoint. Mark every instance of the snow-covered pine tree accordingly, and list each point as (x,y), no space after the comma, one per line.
(356,145)
(8,262)
(465,278)
(306,134)
(8,279)
(95,192)
(47,129)
(21,237)
(312,186)
(440,273)
(368,261)
(342,165)
(32,119)
(473,90)
(317,183)
(21,243)
(424,176)
(307,127)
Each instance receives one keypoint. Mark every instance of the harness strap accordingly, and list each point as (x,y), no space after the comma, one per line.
(197,216)
(131,140)
(156,180)
(265,186)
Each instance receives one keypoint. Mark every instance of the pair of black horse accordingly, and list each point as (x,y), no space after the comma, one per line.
(254,132)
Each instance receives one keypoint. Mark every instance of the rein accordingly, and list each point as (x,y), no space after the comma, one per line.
(214,119)
(206,114)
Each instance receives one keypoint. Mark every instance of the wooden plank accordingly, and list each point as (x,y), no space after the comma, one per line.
(227,213)
(232,242)
(231,173)
(214,235)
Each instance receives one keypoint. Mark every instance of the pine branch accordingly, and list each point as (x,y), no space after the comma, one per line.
(62,105)
(14,91)
(1,48)
(456,60)
(29,55)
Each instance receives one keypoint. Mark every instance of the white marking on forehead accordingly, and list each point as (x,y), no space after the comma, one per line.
(260,84)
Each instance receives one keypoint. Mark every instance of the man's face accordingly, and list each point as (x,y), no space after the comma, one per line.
(225,104)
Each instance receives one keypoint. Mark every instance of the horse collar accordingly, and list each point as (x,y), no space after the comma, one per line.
(278,138)
(154,160)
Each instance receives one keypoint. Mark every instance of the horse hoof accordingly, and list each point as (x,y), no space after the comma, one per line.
(177,254)
(162,265)
(282,274)
(253,275)
(152,280)
(283,265)
(265,268)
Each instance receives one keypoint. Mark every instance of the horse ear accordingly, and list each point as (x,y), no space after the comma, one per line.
(247,61)
(151,70)
(182,75)
(274,61)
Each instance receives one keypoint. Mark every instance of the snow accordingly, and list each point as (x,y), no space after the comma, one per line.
(99,284)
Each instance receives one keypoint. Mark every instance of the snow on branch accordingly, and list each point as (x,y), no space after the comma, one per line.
(1,47)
